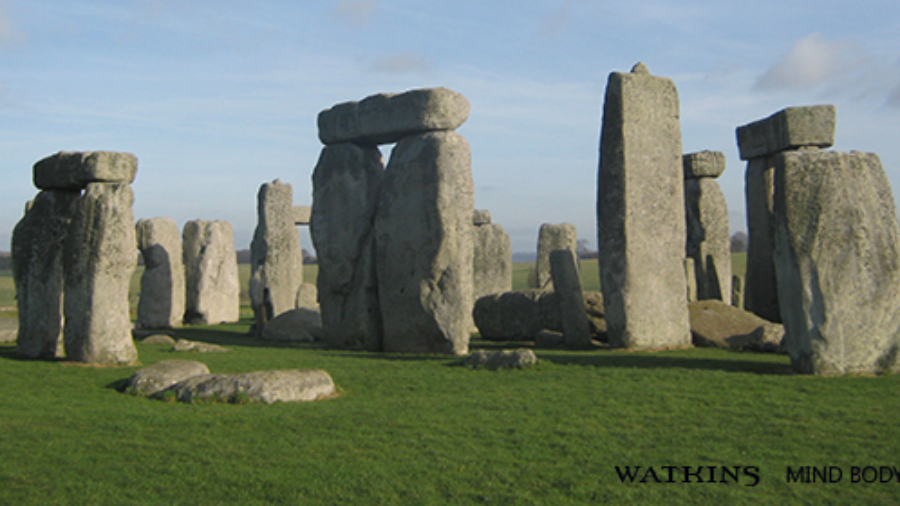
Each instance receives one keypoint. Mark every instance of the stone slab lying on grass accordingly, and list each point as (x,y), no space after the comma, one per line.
(301,324)
(261,386)
(503,359)
(162,375)
(720,325)
(158,339)
(185,345)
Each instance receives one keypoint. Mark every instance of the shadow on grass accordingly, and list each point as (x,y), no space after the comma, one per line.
(743,362)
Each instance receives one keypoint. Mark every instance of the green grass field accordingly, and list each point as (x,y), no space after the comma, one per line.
(420,430)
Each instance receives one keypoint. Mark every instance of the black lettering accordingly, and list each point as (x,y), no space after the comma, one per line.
(628,474)
(854,474)
(696,474)
(797,477)
(819,474)
(670,469)
(881,474)
(650,472)
(865,474)
(752,472)
(727,472)
(831,474)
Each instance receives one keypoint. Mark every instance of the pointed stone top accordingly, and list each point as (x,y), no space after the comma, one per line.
(640,68)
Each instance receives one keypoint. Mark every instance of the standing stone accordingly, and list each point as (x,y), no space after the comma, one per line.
(302,215)
(492,268)
(211,273)
(760,290)
(423,237)
(737,291)
(708,241)
(640,213)
(691,277)
(837,257)
(161,305)
(276,260)
(37,249)
(552,237)
(567,284)
(99,259)
(346,187)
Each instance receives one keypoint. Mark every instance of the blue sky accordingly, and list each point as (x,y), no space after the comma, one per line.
(218,97)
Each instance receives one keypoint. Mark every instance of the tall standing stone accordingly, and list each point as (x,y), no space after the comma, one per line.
(572,312)
(708,239)
(552,237)
(99,259)
(492,267)
(211,273)
(423,237)
(161,305)
(276,260)
(640,213)
(346,187)
(837,258)
(37,249)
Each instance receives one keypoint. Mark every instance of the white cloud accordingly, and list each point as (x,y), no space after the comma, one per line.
(405,63)
(357,13)
(811,62)
(554,22)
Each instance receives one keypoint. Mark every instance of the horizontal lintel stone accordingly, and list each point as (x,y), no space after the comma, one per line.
(703,164)
(74,170)
(788,129)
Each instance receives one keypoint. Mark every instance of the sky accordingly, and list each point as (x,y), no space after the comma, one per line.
(218,97)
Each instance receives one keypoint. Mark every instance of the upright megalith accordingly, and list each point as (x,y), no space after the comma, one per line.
(99,258)
(837,259)
(161,305)
(423,237)
(276,260)
(791,129)
(346,187)
(37,251)
(211,273)
(492,257)
(551,237)
(640,213)
(567,284)
(708,240)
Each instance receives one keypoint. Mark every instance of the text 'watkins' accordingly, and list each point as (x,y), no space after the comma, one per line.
(744,475)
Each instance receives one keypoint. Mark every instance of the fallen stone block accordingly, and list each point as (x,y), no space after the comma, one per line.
(162,375)
(267,387)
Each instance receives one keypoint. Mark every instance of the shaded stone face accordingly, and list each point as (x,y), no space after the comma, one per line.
(760,292)
(162,284)
(37,251)
(388,118)
(346,187)
(74,170)
(640,213)
(838,262)
(211,274)
(423,237)
(99,259)
(492,267)
(708,240)
(552,237)
(567,284)
(789,129)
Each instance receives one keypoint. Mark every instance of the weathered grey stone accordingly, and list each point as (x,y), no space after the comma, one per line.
(161,375)
(552,237)
(161,304)
(567,284)
(509,316)
(502,359)
(593,304)
(185,345)
(737,291)
(37,252)
(640,213)
(302,215)
(276,260)
(261,386)
(74,170)
(690,274)
(423,237)
(837,258)
(549,339)
(158,339)
(388,118)
(492,267)
(307,297)
(760,290)
(708,239)
(720,325)
(211,274)
(481,217)
(99,258)
(346,187)
(300,324)
(9,330)
(788,129)
(703,164)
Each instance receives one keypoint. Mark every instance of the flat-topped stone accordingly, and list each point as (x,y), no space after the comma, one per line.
(162,375)
(481,217)
(291,385)
(703,164)
(73,170)
(387,118)
(788,129)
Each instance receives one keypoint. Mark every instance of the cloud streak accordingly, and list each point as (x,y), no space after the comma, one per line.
(404,63)
(357,13)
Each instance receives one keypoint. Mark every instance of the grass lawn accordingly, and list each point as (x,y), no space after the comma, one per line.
(419,430)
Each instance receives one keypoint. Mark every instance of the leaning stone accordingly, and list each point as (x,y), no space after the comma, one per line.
(492,260)
(75,170)
(789,129)
(37,255)
(161,304)
(302,325)
(640,214)
(158,339)
(837,256)
(567,283)
(161,375)
(708,240)
(503,359)
(481,217)
(423,237)
(301,215)
(509,316)
(703,164)
(185,345)
(346,186)
(99,259)
(261,386)
(760,289)
(388,118)
(211,273)
(552,237)
(720,325)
